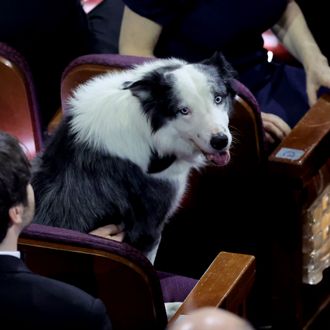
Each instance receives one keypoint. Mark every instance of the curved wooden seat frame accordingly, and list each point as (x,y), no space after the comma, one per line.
(18,106)
(126,281)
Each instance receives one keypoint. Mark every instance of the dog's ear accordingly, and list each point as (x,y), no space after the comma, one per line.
(226,71)
(139,88)
(155,84)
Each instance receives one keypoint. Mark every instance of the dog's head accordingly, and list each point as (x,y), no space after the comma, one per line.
(188,108)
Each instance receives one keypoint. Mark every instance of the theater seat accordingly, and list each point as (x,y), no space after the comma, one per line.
(18,105)
(126,281)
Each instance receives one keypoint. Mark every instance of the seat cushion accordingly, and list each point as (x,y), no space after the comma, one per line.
(175,287)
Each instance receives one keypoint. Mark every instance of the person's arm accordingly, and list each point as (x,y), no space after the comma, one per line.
(138,35)
(293,32)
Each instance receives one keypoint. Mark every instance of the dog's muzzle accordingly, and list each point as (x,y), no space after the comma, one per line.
(221,155)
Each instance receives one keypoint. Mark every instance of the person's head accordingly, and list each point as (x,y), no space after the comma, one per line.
(16,194)
(211,318)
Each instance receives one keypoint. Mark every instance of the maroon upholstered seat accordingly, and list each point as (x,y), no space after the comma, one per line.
(125,280)
(18,105)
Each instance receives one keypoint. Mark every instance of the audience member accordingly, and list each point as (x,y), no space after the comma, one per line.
(27,300)
(49,34)
(209,318)
(193,30)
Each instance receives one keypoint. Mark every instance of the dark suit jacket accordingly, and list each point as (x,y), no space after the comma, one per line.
(30,301)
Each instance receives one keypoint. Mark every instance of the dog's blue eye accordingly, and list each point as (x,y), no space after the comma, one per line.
(218,99)
(184,111)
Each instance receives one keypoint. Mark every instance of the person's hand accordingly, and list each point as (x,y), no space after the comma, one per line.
(317,75)
(114,232)
(276,129)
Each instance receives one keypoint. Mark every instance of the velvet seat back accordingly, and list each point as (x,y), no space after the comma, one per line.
(98,266)
(19,111)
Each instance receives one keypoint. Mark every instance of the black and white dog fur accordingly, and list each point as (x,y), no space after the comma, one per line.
(123,152)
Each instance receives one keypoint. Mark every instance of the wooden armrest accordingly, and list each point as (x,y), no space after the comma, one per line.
(308,145)
(225,284)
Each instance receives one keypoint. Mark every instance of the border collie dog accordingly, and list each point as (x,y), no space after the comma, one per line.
(124,150)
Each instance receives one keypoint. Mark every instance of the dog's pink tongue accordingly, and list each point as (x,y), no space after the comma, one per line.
(219,158)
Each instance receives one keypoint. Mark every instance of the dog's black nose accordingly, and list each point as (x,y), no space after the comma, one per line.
(219,141)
